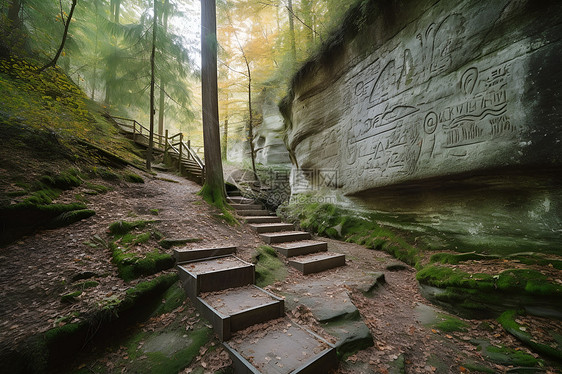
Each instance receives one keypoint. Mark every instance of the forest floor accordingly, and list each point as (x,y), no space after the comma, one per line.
(38,269)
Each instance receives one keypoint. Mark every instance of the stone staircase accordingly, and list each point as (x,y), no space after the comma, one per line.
(222,289)
(306,255)
(249,320)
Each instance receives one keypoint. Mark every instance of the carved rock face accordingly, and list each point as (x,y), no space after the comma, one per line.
(438,89)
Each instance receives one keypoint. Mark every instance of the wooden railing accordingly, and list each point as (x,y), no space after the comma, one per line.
(174,144)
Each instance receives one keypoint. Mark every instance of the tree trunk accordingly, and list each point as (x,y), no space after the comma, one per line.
(152,68)
(292,33)
(307,16)
(115,11)
(214,181)
(251,122)
(162,83)
(14,14)
(53,62)
(225,133)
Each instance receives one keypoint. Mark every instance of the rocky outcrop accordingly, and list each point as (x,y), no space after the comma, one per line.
(269,143)
(422,89)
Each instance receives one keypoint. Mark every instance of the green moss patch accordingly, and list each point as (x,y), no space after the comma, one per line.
(131,266)
(339,223)
(70,297)
(449,323)
(269,268)
(121,228)
(133,178)
(510,324)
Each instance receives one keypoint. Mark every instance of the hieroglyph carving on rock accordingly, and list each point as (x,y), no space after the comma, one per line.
(443,96)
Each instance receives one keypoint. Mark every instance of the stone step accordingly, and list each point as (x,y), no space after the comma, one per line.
(262,219)
(257,212)
(239,199)
(234,193)
(247,206)
(317,262)
(281,347)
(271,227)
(235,309)
(215,274)
(189,255)
(300,248)
(284,236)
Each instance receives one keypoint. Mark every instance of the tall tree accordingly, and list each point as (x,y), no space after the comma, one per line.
(53,62)
(292,32)
(152,71)
(162,97)
(214,179)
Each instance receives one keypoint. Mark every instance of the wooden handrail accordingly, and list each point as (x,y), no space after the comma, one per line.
(180,148)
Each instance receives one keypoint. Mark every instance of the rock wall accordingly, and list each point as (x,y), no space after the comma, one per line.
(427,89)
(269,142)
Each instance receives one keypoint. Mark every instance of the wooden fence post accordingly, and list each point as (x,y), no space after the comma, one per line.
(188,147)
(181,152)
(166,146)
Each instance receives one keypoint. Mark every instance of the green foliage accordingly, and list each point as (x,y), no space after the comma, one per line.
(451,324)
(132,266)
(121,228)
(172,299)
(339,223)
(133,178)
(216,198)
(70,297)
(68,218)
(86,285)
(509,323)
(269,268)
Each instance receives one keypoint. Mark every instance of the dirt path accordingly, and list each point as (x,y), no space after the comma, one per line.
(37,270)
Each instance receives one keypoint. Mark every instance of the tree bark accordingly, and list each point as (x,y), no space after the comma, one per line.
(162,83)
(292,33)
(53,62)
(14,13)
(152,110)
(214,181)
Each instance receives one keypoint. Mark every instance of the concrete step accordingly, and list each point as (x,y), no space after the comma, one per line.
(189,255)
(271,227)
(215,274)
(238,199)
(235,309)
(317,262)
(262,219)
(281,347)
(257,212)
(300,248)
(284,236)
(247,206)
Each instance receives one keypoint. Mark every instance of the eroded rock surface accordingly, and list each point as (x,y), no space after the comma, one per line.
(428,89)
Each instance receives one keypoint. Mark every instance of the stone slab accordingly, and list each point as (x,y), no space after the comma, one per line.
(318,262)
(284,236)
(271,227)
(215,274)
(284,349)
(235,309)
(299,248)
(262,219)
(187,254)
(256,212)
(247,206)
